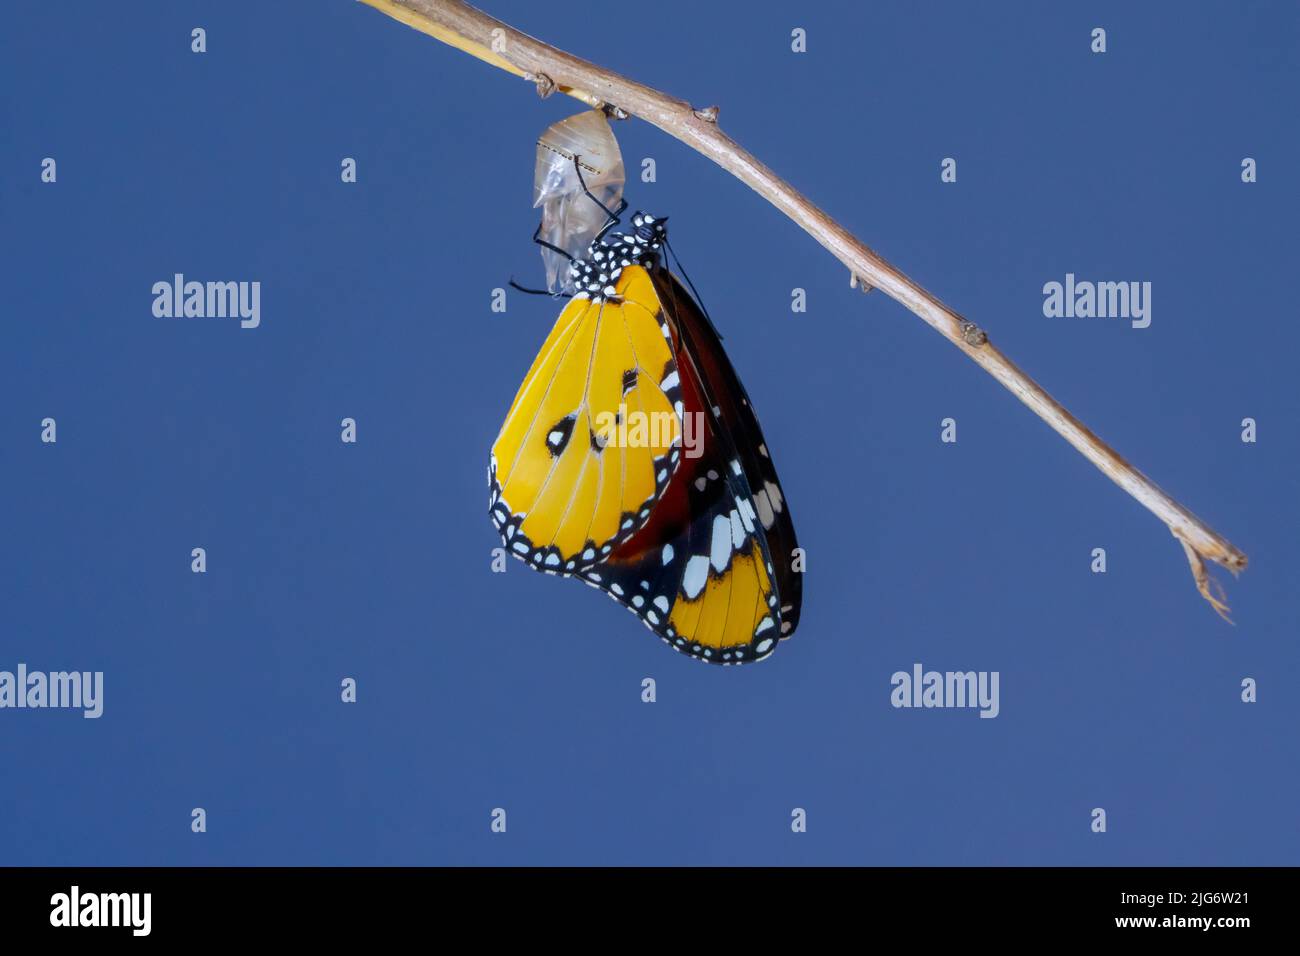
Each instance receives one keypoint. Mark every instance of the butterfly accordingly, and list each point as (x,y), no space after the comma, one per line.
(632,459)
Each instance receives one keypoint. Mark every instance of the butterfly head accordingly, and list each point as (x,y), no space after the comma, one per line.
(649,231)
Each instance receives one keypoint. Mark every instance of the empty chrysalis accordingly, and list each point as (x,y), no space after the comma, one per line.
(569,219)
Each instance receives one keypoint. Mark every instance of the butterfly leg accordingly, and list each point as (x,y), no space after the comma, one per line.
(555,295)
(614,215)
(537,238)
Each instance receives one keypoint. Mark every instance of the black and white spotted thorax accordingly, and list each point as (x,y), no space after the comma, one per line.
(596,276)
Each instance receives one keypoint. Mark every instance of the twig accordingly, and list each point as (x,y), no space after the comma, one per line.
(480,35)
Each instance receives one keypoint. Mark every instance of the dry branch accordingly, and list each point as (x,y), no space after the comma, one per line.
(492,41)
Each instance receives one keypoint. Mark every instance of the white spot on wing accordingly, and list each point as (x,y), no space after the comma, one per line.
(696,576)
(774,493)
(720,547)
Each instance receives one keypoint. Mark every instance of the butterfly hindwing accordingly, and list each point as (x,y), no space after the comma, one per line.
(726,398)
(701,573)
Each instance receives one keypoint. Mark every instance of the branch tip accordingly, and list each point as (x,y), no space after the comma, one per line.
(1209,587)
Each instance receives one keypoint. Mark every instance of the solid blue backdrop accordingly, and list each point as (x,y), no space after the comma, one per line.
(373,561)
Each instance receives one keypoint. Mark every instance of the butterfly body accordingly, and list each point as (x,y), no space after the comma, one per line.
(693,537)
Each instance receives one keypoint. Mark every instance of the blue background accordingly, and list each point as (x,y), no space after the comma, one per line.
(481,690)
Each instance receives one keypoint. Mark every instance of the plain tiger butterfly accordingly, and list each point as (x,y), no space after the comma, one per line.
(694,537)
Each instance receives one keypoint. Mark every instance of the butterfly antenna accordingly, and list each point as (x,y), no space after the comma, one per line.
(691,285)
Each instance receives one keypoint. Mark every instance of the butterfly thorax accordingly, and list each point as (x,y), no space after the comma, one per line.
(596,275)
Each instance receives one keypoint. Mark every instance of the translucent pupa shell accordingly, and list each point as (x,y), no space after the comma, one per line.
(570,220)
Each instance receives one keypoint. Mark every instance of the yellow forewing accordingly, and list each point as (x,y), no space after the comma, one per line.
(593,435)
